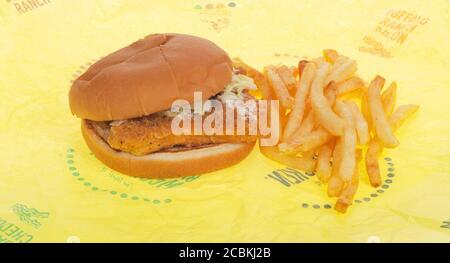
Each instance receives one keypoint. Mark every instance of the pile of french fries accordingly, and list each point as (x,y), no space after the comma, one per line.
(329,118)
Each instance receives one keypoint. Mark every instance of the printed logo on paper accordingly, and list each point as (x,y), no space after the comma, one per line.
(291,178)
(29,220)
(26,6)
(119,186)
(446,224)
(30,216)
(217,16)
(391,32)
(13,233)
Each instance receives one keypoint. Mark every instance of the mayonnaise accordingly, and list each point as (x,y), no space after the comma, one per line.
(233,91)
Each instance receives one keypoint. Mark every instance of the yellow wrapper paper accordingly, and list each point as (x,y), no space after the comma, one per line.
(53,189)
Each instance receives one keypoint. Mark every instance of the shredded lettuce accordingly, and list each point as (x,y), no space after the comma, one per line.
(233,91)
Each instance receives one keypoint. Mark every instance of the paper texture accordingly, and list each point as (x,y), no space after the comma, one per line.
(52,189)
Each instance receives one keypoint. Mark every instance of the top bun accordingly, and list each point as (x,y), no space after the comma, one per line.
(148,75)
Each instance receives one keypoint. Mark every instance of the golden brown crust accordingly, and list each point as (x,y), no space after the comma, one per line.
(152,133)
(148,75)
(166,164)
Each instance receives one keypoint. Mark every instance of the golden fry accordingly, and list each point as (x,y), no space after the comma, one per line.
(365,108)
(335,184)
(330,55)
(310,154)
(342,71)
(372,167)
(319,61)
(301,163)
(306,126)
(349,85)
(330,93)
(279,88)
(340,61)
(264,88)
(388,98)
(375,147)
(320,132)
(346,197)
(296,115)
(380,122)
(362,128)
(301,66)
(247,70)
(322,110)
(294,71)
(348,139)
(303,144)
(286,76)
(323,167)
(402,113)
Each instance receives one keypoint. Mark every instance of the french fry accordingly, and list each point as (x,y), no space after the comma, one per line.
(349,85)
(306,126)
(301,66)
(296,115)
(320,132)
(362,128)
(388,98)
(279,88)
(380,122)
(330,93)
(372,167)
(248,70)
(358,155)
(322,110)
(266,91)
(323,167)
(305,143)
(340,61)
(365,108)
(330,55)
(319,61)
(348,139)
(375,146)
(335,184)
(346,196)
(286,76)
(402,113)
(310,154)
(342,71)
(301,163)
(294,71)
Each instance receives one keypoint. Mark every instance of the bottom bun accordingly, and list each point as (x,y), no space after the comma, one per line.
(166,164)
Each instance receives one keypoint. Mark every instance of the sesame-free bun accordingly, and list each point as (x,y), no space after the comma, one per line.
(166,164)
(148,75)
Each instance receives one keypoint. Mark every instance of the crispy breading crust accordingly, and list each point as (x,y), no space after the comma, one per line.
(152,133)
